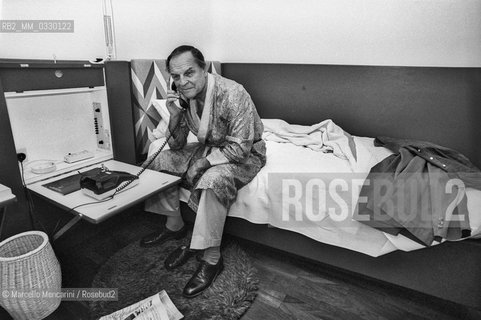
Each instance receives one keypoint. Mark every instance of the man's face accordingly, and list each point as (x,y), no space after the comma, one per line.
(187,75)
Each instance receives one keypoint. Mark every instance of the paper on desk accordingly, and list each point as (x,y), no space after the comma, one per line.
(156,307)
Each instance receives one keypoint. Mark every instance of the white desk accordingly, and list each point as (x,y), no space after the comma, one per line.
(150,182)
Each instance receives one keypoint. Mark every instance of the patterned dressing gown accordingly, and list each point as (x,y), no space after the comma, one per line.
(230,136)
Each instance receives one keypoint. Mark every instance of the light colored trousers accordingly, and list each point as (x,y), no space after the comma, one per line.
(209,220)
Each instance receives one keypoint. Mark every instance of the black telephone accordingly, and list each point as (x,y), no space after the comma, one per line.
(184,104)
(106,182)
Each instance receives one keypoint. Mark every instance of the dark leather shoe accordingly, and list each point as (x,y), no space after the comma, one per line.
(202,278)
(159,237)
(179,257)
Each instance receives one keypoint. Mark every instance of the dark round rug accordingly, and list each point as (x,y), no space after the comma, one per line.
(139,273)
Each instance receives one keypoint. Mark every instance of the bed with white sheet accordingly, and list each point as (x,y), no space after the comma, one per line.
(311,184)
(264,201)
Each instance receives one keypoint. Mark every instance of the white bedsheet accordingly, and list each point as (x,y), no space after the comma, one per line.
(263,200)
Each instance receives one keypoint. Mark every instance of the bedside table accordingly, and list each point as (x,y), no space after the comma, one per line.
(150,183)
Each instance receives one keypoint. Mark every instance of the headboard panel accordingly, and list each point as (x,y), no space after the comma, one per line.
(149,82)
(441,105)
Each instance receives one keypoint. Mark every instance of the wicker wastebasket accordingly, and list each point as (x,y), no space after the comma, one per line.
(30,282)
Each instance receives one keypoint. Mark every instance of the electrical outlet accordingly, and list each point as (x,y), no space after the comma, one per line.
(22,150)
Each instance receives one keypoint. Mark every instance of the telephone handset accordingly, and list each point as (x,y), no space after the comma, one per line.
(184,104)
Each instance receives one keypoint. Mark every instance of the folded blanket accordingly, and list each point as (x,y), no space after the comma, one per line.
(325,136)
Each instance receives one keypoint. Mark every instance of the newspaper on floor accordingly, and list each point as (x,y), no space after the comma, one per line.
(156,307)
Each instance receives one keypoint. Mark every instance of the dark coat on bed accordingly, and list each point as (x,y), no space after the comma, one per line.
(419,191)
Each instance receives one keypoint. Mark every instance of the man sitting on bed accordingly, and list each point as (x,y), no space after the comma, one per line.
(229,154)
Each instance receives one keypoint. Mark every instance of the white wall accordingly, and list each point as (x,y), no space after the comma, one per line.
(370,32)
(360,32)
(86,42)
(152,28)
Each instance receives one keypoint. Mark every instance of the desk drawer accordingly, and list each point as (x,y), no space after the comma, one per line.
(23,79)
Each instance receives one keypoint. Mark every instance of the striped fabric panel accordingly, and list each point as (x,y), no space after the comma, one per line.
(149,82)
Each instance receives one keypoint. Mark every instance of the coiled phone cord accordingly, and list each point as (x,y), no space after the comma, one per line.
(152,158)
